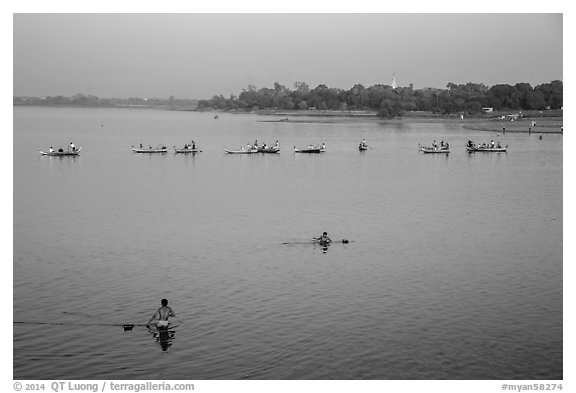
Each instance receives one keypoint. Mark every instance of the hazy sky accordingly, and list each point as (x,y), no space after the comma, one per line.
(200,55)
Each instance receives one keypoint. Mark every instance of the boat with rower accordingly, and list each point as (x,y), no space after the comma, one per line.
(187,149)
(150,149)
(242,150)
(268,149)
(362,146)
(61,152)
(486,147)
(311,149)
(434,149)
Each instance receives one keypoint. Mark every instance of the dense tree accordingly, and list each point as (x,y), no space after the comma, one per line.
(467,98)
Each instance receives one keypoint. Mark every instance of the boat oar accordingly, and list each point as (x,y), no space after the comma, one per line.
(314,240)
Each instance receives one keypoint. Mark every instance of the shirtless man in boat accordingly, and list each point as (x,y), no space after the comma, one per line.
(324,239)
(162,314)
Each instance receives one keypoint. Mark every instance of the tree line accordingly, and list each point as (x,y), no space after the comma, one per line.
(469,98)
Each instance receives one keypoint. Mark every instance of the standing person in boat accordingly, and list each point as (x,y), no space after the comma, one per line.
(324,239)
(162,314)
(72,148)
(51,150)
(277,145)
(193,145)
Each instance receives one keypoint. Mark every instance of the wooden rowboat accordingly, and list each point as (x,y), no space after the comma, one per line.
(61,153)
(150,150)
(434,150)
(241,151)
(315,150)
(487,149)
(270,149)
(186,150)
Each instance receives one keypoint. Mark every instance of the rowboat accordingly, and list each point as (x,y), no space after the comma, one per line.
(186,150)
(162,149)
(270,149)
(434,150)
(316,149)
(61,153)
(487,149)
(241,151)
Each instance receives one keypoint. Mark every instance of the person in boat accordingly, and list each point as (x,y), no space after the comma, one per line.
(435,145)
(141,146)
(363,144)
(277,145)
(442,143)
(498,145)
(324,239)
(256,144)
(51,150)
(72,148)
(323,146)
(162,314)
(310,147)
(492,143)
(540,136)
(470,143)
(60,150)
(193,145)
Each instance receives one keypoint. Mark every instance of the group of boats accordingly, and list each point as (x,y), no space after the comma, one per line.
(444,147)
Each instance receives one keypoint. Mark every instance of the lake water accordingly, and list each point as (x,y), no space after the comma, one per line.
(454,269)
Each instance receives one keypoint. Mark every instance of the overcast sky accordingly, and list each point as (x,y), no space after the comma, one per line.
(200,55)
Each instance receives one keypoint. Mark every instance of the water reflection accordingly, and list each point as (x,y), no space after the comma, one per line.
(163,336)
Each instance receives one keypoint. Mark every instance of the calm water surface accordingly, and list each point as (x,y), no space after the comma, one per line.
(454,270)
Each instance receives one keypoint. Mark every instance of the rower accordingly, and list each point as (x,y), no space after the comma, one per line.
(162,314)
(324,239)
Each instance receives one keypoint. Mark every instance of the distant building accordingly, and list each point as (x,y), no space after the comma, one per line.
(488,110)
